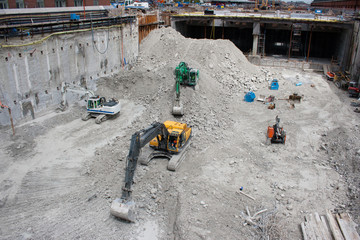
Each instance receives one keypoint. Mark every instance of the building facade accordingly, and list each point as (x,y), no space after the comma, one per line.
(341,4)
(50,3)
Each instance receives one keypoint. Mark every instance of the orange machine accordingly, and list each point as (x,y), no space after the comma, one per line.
(276,134)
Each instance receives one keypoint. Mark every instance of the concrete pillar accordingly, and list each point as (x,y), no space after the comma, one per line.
(256,33)
(255,44)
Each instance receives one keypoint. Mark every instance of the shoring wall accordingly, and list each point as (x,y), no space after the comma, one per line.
(31,76)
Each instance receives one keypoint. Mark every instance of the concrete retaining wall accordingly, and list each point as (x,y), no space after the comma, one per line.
(31,76)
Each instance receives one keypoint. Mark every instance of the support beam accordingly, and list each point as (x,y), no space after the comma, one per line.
(308,53)
(256,33)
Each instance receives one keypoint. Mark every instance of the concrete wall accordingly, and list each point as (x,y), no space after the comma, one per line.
(31,76)
(355,56)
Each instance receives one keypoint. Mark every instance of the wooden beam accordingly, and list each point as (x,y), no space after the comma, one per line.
(335,230)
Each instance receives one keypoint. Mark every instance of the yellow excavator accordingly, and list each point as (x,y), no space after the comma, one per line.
(169,139)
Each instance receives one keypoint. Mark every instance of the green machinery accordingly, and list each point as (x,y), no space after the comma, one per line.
(183,76)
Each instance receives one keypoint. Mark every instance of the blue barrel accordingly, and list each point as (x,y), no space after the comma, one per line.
(249,97)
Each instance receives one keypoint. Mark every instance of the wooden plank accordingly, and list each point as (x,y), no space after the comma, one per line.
(314,227)
(305,236)
(326,228)
(335,230)
(320,227)
(347,227)
(310,231)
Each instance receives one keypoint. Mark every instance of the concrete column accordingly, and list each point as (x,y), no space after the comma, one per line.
(256,33)
(255,44)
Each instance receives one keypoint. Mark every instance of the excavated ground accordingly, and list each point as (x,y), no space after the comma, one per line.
(59,174)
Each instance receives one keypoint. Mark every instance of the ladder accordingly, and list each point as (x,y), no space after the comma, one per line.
(295,40)
(261,45)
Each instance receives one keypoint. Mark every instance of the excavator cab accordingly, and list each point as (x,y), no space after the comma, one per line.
(174,143)
(93,102)
(194,77)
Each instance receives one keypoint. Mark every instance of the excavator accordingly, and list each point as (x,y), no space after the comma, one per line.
(169,139)
(97,106)
(183,76)
(276,134)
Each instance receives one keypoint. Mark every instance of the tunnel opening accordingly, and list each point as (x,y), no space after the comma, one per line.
(241,37)
(275,39)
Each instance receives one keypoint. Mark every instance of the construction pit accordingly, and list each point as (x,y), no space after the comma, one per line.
(59,174)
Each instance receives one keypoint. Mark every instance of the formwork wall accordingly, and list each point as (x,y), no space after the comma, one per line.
(355,57)
(147,23)
(31,76)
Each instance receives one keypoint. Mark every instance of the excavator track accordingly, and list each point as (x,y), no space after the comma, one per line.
(174,159)
(101,118)
(178,158)
(86,116)
(155,154)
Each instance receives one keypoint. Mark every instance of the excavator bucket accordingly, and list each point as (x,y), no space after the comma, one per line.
(178,109)
(123,210)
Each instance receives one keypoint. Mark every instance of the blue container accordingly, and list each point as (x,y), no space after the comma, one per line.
(249,97)
(274,85)
(74,17)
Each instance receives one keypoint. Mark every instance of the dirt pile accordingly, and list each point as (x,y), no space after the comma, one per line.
(224,72)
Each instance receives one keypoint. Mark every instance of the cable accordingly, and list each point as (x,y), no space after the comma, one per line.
(93,40)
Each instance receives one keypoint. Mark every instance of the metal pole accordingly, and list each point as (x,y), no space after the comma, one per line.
(84,9)
(290,40)
(308,53)
(223,30)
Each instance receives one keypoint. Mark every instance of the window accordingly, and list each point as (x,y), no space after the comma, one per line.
(60,3)
(90,104)
(40,3)
(4,4)
(78,3)
(96,2)
(19,4)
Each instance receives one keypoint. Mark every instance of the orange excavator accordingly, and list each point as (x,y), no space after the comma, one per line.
(276,134)
(11,120)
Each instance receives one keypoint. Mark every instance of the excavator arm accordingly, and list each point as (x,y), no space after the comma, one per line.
(67,87)
(138,141)
(122,208)
(178,109)
(11,119)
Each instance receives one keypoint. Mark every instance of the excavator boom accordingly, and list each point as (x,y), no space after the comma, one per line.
(183,76)
(178,109)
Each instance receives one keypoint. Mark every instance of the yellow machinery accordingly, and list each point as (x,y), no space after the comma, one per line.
(179,133)
(170,140)
(342,79)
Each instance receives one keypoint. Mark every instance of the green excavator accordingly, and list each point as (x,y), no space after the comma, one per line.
(183,76)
